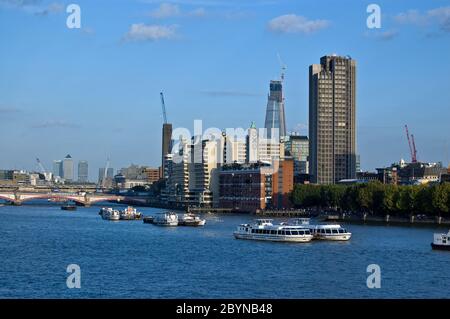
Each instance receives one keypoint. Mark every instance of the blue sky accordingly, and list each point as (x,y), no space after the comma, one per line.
(94,92)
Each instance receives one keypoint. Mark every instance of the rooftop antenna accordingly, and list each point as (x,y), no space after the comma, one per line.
(283,66)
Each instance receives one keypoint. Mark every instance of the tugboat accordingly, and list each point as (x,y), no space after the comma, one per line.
(109,214)
(441,241)
(263,229)
(69,207)
(166,219)
(190,219)
(130,213)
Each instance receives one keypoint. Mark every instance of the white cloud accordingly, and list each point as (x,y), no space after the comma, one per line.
(50,9)
(165,10)
(291,23)
(438,16)
(144,32)
(199,12)
(169,10)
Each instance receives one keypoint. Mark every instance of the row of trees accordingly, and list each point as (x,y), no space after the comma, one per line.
(376,198)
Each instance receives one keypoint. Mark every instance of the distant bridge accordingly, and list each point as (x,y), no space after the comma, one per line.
(85,199)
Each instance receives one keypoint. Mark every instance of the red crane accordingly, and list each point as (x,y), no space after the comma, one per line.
(412,145)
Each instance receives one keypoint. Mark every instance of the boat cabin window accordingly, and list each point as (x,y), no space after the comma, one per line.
(273,232)
(294,232)
(328,231)
(334,231)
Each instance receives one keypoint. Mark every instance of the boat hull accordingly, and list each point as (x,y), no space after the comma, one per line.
(289,239)
(194,223)
(167,224)
(343,237)
(440,247)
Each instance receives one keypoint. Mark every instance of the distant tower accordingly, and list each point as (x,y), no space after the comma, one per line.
(83,171)
(67,166)
(275,116)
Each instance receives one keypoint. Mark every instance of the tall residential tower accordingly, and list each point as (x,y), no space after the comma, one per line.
(332,119)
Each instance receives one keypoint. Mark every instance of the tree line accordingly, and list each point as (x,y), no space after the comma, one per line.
(376,198)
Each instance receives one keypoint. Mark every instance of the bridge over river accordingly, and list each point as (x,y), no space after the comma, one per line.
(83,198)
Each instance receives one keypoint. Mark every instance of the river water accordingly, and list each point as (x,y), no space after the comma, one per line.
(130,259)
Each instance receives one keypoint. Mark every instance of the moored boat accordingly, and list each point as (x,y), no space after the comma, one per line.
(166,219)
(441,241)
(330,232)
(263,229)
(109,213)
(129,213)
(190,219)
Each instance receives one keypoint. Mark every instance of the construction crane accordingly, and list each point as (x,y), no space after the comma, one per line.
(412,145)
(44,171)
(163,107)
(47,175)
(283,66)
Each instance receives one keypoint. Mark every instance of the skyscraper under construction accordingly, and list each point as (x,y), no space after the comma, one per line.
(275,116)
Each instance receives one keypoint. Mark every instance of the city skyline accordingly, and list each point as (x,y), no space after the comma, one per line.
(226,85)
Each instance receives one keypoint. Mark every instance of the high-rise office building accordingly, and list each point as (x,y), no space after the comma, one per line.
(297,146)
(166,144)
(332,117)
(83,171)
(57,168)
(275,116)
(67,167)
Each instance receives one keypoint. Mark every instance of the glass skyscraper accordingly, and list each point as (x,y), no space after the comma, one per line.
(275,117)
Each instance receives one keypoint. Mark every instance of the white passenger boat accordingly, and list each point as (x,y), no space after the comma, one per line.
(263,229)
(330,232)
(166,219)
(130,213)
(441,241)
(190,219)
(109,213)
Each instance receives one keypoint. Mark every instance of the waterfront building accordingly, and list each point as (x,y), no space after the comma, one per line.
(194,178)
(57,169)
(83,171)
(245,187)
(67,167)
(297,147)
(260,148)
(332,119)
(166,144)
(235,149)
(251,187)
(275,122)
(282,183)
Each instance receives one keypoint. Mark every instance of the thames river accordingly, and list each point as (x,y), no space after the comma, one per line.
(130,259)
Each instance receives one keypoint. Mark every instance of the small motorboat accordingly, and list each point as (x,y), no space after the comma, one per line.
(190,219)
(110,214)
(166,219)
(441,241)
